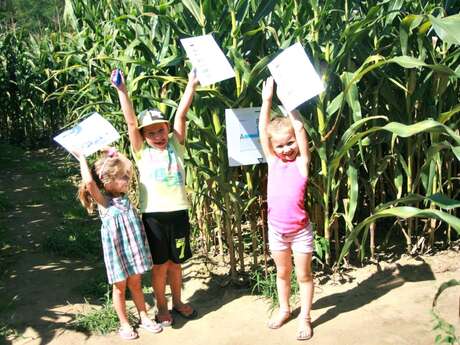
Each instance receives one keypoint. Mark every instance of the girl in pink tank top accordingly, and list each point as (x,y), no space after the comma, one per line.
(285,145)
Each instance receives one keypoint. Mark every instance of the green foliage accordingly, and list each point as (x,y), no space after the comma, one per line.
(96,287)
(385,128)
(445,331)
(6,331)
(265,285)
(321,248)
(102,320)
(75,239)
(444,286)
(30,15)
(5,205)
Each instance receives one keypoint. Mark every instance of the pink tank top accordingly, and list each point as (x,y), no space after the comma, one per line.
(286,189)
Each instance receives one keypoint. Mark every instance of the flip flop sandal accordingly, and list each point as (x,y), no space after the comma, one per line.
(127,333)
(190,316)
(282,317)
(165,320)
(151,327)
(303,328)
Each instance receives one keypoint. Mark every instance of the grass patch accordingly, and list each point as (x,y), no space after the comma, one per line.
(34,166)
(101,320)
(266,286)
(7,254)
(11,154)
(5,204)
(96,288)
(76,212)
(7,331)
(75,239)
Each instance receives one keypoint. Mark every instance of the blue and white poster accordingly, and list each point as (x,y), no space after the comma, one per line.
(243,142)
(89,136)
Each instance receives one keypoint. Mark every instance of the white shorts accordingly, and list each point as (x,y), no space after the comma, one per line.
(300,241)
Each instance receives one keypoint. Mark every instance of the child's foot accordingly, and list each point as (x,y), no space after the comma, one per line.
(305,330)
(279,320)
(150,325)
(186,311)
(164,319)
(126,332)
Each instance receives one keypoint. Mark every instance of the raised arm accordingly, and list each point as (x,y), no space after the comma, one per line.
(264,118)
(181,114)
(88,180)
(135,136)
(301,137)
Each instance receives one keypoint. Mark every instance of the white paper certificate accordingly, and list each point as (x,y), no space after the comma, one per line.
(206,56)
(296,79)
(88,136)
(243,142)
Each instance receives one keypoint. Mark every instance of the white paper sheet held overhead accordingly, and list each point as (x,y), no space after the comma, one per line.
(206,56)
(295,76)
(88,136)
(243,142)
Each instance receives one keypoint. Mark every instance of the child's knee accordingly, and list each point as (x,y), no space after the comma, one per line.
(306,277)
(119,288)
(134,282)
(283,273)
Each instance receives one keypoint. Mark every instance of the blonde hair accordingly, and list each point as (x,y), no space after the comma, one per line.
(279,124)
(105,170)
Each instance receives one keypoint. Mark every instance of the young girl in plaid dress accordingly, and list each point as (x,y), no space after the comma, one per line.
(124,243)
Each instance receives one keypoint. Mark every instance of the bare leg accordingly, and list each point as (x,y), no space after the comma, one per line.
(283,264)
(305,279)
(134,285)
(119,302)
(159,273)
(175,281)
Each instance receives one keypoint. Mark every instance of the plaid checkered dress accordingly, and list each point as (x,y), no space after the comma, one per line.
(125,246)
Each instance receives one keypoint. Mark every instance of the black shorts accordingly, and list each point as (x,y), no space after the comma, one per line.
(168,234)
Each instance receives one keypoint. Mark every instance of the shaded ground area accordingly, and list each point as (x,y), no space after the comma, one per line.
(41,292)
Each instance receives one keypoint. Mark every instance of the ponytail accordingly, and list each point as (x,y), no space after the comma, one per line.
(85,197)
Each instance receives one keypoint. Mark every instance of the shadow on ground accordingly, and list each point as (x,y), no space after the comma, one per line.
(37,287)
(215,290)
(42,278)
(374,287)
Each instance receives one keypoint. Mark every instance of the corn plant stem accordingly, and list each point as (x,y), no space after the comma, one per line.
(450,195)
(326,183)
(237,221)
(263,215)
(252,222)
(224,187)
(409,186)
(229,236)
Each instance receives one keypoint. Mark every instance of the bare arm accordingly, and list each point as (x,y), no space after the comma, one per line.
(264,118)
(89,181)
(184,105)
(135,137)
(301,137)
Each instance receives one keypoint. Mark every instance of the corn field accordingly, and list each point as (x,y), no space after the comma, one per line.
(384,134)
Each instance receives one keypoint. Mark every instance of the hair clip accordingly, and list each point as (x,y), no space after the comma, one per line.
(112,152)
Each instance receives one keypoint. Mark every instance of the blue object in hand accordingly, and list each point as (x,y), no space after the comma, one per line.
(117,77)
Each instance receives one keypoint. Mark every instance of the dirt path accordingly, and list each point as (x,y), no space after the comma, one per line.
(384,305)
